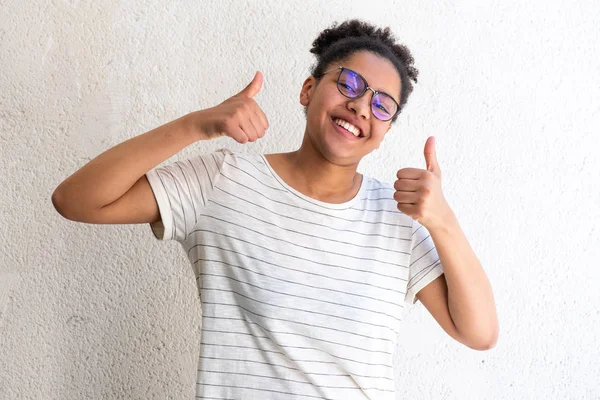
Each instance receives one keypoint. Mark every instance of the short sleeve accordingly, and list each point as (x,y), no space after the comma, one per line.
(182,191)
(424,266)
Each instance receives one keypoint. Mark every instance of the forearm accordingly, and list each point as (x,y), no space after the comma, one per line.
(108,176)
(470,298)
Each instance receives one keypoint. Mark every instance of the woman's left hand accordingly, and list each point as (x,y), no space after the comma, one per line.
(419,192)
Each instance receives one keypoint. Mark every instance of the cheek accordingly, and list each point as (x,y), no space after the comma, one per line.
(331,97)
(378,133)
(377,136)
(320,107)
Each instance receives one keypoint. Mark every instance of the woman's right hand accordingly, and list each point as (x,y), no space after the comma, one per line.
(238,117)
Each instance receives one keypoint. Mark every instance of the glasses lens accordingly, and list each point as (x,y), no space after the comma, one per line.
(383,106)
(351,84)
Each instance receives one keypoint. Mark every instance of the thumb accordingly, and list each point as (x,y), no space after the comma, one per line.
(430,156)
(253,87)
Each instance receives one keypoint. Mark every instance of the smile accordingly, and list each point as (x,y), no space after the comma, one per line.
(346,128)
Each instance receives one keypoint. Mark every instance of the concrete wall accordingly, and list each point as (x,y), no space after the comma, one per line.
(510,89)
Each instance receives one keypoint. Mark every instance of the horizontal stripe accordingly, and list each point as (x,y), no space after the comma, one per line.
(307,209)
(312,222)
(312,274)
(300,309)
(306,324)
(319,239)
(302,284)
(300,298)
(362,362)
(267,390)
(292,380)
(305,247)
(286,367)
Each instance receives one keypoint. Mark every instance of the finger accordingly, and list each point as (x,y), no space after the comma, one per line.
(257,125)
(248,129)
(406,197)
(407,185)
(262,116)
(430,155)
(410,173)
(257,119)
(408,209)
(253,87)
(238,135)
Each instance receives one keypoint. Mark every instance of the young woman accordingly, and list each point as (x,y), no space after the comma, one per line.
(303,265)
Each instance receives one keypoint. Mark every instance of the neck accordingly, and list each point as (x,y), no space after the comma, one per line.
(309,172)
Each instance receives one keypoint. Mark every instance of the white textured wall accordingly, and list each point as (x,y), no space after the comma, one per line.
(510,90)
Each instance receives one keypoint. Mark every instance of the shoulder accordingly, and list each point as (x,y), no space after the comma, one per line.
(237,158)
(377,190)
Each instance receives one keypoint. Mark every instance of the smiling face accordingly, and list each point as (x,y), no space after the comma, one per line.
(327,108)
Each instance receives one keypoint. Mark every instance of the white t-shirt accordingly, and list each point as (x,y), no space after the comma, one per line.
(301,299)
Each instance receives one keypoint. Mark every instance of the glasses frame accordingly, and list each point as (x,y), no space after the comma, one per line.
(366,87)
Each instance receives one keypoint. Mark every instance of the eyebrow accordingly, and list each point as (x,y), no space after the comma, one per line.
(362,76)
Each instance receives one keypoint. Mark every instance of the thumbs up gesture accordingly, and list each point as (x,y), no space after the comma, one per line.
(238,117)
(419,191)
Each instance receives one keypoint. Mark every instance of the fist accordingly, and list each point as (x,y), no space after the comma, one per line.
(238,117)
(419,191)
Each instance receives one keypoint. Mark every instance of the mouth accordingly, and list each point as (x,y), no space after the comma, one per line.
(346,129)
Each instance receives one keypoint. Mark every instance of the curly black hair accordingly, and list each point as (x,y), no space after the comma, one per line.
(341,41)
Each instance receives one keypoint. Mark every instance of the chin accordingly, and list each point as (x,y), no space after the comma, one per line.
(335,148)
(339,156)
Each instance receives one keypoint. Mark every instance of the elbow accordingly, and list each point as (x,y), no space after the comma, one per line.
(486,342)
(58,204)
(484,346)
(480,338)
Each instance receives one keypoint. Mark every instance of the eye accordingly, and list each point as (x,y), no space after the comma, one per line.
(382,108)
(348,87)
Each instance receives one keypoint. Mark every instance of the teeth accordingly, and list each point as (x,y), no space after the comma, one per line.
(349,127)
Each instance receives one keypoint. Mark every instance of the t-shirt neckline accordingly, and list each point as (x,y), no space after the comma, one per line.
(334,206)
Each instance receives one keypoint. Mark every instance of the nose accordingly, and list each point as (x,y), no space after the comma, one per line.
(362,104)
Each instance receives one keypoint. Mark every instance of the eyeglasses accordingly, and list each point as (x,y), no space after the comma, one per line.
(352,85)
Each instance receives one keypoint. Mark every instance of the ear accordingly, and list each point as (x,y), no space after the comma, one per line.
(307,89)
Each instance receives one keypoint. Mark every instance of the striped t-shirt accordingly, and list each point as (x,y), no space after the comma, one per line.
(301,299)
